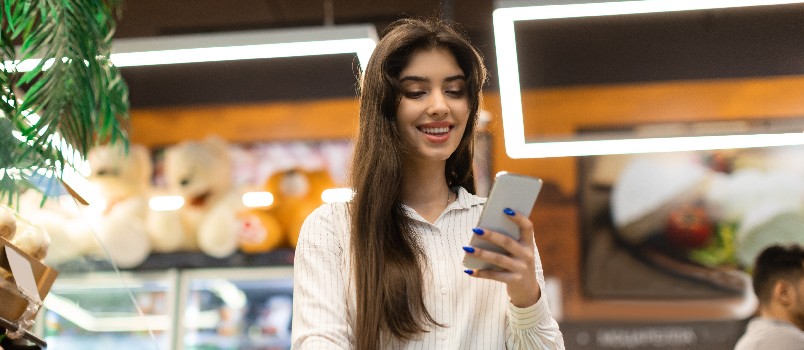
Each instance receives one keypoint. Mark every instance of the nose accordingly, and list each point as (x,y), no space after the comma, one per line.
(438,105)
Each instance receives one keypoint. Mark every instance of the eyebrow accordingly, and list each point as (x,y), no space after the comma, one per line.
(424,79)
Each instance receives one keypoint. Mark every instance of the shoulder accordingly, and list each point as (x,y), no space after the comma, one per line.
(330,211)
(329,214)
(330,219)
(770,334)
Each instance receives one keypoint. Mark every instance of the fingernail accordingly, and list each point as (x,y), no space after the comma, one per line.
(508,212)
(469,249)
(478,231)
(469,272)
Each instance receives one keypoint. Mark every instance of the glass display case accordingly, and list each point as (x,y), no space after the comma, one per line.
(235,308)
(106,310)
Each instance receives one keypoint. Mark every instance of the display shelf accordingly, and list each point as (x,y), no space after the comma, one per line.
(102,310)
(197,260)
(184,260)
(245,308)
(183,307)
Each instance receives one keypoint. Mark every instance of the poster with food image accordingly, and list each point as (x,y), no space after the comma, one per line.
(686,224)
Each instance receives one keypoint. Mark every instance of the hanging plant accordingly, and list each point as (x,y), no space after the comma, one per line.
(53,113)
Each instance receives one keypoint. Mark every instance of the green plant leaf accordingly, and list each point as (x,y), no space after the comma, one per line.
(82,98)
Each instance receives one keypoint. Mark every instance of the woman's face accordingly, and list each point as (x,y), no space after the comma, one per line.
(434,108)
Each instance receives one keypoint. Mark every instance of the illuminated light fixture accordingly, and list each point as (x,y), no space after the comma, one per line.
(166,203)
(337,195)
(214,47)
(509,12)
(258,199)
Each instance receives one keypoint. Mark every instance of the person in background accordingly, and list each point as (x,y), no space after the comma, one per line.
(384,271)
(778,280)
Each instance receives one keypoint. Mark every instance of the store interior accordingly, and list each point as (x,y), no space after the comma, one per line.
(625,267)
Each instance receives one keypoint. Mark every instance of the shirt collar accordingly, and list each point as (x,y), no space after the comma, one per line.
(465,199)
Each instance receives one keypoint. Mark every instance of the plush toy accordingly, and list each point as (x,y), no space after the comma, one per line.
(297,193)
(201,173)
(262,231)
(123,180)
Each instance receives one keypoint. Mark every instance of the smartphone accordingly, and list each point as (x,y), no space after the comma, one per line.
(509,190)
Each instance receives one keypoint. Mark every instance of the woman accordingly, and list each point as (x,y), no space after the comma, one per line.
(384,271)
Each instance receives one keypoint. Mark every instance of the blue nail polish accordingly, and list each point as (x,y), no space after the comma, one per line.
(469,272)
(469,249)
(478,231)
(509,212)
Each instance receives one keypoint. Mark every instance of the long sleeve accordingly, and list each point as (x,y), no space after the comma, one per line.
(533,327)
(319,291)
(476,313)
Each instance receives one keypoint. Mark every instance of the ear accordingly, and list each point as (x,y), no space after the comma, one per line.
(783,292)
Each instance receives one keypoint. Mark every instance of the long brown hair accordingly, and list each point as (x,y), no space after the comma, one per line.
(386,257)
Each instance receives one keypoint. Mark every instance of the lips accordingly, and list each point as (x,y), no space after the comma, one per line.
(437,132)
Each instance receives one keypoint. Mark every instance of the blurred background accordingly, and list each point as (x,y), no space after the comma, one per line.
(641,250)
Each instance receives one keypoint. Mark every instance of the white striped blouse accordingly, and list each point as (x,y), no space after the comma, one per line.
(476,312)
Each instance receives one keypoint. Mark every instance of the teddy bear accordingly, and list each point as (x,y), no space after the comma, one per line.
(123,180)
(200,172)
(297,193)
(262,231)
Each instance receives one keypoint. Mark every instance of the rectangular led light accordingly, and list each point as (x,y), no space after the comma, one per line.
(213,47)
(509,12)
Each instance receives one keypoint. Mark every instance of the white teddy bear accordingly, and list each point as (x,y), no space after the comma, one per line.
(201,173)
(123,180)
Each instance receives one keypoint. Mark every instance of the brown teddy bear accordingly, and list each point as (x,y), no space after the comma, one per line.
(297,193)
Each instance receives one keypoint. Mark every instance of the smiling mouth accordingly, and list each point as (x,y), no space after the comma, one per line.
(435,131)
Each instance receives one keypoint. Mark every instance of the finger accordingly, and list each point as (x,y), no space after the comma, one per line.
(500,260)
(501,276)
(525,226)
(510,245)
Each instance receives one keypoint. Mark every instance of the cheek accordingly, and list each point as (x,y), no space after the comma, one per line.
(405,109)
(461,108)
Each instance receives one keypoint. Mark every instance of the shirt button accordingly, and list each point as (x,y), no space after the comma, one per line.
(440,257)
(443,290)
(442,336)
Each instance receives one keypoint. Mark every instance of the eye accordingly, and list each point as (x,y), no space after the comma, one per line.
(413,94)
(455,93)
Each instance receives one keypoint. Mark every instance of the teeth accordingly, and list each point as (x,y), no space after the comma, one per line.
(435,130)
